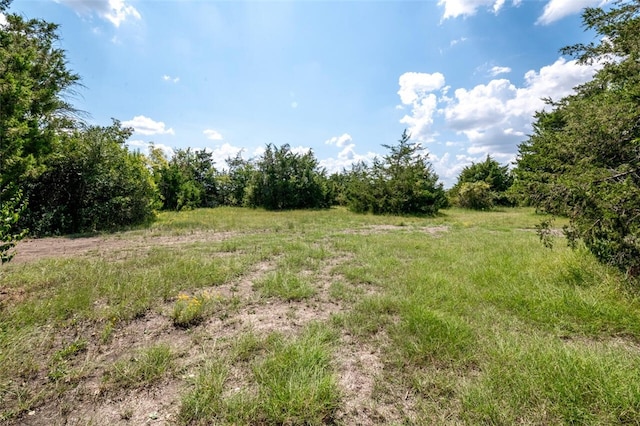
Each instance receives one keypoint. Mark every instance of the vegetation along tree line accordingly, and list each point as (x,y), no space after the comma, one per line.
(61,176)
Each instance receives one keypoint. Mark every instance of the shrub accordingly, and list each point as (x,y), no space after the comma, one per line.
(475,195)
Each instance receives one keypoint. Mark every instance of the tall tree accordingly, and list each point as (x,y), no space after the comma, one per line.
(34,85)
(284,180)
(91,183)
(402,182)
(33,80)
(583,158)
(188,180)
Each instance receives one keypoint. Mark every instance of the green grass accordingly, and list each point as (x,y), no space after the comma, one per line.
(288,382)
(476,323)
(142,368)
(286,285)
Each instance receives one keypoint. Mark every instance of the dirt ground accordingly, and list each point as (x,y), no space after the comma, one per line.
(359,366)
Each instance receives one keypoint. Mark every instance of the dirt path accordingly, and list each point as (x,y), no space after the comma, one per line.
(42,248)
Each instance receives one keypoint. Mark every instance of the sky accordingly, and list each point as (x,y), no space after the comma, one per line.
(339,77)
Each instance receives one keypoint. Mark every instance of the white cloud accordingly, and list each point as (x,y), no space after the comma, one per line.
(301,150)
(171,79)
(414,85)
(499,70)
(496,116)
(455,8)
(220,153)
(143,147)
(114,11)
(555,10)
(3,20)
(339,140)
(346,157)
(147,126)
(258,151)
(214,135)
(415,90)
(421,118)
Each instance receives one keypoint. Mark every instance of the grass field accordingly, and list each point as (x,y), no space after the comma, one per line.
(235,316)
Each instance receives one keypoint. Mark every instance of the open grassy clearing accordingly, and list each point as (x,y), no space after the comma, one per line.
(234,316)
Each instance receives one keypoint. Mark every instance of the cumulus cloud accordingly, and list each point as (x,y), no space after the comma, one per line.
(346,157)
(3,20)
(220,153)
(414,85)
(146,126)
(339,140)
(496,116)
(214,135)
(499,70)
(455,8)
(114,11)
(555,10)
(415,90)
(301,150)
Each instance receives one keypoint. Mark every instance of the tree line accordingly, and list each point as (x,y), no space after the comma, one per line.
(61,176)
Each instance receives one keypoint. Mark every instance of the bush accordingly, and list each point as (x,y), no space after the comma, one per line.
(92,183)
(403,182)
(475,195)
(286,180)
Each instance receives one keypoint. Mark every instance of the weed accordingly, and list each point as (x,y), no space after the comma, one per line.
(191,310)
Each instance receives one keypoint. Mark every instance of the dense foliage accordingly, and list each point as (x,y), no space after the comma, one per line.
(583,158)
(188,180)
(403,182)
(231,184)
(33,83)
(92,182)
(58,175)
(10,209)
(480,186)
(284,179)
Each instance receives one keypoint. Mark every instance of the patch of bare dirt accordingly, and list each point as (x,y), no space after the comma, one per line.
(243,308)
(369,397)
(111,245)
(380,229)
(625,343)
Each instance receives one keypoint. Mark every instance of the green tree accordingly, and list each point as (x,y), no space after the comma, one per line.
(498,179)
(91,183)
(583,158)
(34,84)
(403,182)
(188,180)
(284,180)
(233,182)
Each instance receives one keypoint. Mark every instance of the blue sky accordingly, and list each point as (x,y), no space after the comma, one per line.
(464,77)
